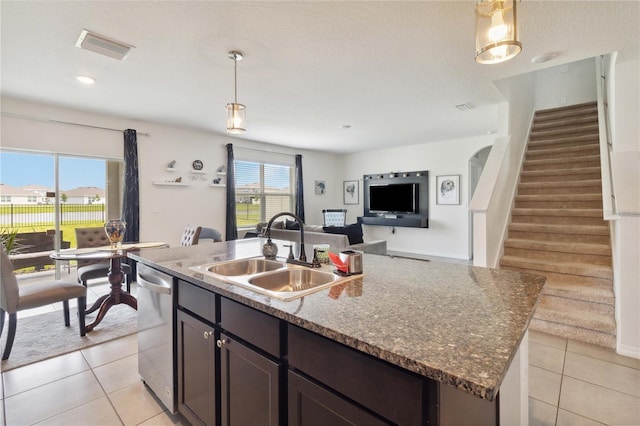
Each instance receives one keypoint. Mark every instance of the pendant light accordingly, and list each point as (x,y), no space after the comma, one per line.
(496,31)
(236,117)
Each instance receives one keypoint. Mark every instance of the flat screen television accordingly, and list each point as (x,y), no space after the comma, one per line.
(394,198)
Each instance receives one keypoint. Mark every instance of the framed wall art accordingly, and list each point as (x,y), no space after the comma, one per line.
(448,188)
(319,186)
(350,192)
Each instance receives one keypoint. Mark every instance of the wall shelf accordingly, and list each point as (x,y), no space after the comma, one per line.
(218,185)
(198,172)
(410,221)
(162,183)
(171,169)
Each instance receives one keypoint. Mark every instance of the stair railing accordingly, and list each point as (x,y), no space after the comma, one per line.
(603,64)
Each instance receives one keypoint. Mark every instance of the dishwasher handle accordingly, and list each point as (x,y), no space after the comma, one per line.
(154,283)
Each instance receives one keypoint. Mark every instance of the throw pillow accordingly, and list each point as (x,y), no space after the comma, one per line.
(353,232)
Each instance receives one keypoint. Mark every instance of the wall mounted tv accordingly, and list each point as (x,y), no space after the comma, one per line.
(396,199)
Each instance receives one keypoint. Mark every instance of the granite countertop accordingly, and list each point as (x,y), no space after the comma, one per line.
(456,324)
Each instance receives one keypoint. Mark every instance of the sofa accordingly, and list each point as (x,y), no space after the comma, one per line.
(338,238)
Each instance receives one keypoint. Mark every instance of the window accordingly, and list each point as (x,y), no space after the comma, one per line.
(32,199)
(262,190)
(5,198)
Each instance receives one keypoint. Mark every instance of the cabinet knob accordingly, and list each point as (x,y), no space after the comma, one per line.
(207,334)
(222,342)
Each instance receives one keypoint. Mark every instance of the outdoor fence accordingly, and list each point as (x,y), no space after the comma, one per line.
(29,215)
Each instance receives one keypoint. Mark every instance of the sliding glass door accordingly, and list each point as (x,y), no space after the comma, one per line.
(44,197)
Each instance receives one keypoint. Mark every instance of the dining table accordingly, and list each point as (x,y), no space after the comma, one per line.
(114,255)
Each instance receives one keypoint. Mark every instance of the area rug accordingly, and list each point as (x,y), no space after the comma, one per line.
(44,336)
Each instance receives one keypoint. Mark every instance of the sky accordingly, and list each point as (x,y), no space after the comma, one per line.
(18,170)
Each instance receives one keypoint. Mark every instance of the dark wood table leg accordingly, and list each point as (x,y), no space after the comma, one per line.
(96,305)
(116,296)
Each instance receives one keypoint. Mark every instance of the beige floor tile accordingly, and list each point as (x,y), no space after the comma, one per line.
(41,373)
(546,357)
(166,419)
(52,399)
(599,403)
(111,351)
(135,404)
(603,373)
(544,385)
(547,339)
(541,413)
(602,353)
(566,418)
(118,374)
(98,412)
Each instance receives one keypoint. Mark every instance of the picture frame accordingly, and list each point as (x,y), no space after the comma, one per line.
(319,186)
(351,192)
(448,190)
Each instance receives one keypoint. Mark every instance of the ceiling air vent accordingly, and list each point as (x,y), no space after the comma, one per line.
(103,45)
(464,107)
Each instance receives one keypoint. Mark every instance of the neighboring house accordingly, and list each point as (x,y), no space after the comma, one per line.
(85,195)
(30,194)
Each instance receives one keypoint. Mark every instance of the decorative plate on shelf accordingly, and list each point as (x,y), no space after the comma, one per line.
(197,165)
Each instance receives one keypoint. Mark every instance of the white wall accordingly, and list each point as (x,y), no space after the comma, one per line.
(448,232)
(164,211)
(626,147)
(567,84)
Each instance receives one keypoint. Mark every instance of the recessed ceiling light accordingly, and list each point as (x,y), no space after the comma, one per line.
(545,57)
(85,79)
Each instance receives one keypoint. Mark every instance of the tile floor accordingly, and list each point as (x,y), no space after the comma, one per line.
(570,384)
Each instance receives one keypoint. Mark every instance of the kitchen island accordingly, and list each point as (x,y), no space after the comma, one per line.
(448,333)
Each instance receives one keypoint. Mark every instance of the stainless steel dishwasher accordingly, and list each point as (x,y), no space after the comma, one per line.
(156,349)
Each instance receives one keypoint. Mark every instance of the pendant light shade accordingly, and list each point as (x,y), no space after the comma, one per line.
(236,113)
(496,31)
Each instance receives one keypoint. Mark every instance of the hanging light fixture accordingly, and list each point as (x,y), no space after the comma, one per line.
(236,113)
(496,31)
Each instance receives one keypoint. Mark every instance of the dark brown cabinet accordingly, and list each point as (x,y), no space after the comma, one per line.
(249,385)
(196,370)
(312,405)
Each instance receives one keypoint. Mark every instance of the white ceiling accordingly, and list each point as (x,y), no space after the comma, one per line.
(392,70)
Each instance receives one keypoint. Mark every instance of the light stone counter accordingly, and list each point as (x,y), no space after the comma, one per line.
(456,324)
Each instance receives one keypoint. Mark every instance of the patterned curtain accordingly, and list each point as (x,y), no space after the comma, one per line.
(299,189)
(231,225)
(131,198)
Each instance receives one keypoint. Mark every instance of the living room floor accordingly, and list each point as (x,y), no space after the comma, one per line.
(570,383)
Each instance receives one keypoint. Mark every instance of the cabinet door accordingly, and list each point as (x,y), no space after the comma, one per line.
(196,370)
(249,386)
(312,405)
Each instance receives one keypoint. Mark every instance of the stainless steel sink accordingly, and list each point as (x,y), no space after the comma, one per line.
(292,280)
(244,267)
(271,277)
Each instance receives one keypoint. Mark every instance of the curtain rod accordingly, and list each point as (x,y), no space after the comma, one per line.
(261,150)
(48,120)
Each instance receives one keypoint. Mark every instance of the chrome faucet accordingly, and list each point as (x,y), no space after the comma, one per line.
(270,250)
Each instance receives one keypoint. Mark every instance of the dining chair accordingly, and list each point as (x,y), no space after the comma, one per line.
(334,217)
(190,235)
(15,298)
(93,269)
(210,234)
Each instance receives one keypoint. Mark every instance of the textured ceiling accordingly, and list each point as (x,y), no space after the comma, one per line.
(392,70)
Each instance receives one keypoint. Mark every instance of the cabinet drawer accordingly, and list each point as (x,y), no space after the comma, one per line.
(197,300)
(253,326)
(393,393)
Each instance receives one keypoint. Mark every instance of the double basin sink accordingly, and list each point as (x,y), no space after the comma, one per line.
(271,277)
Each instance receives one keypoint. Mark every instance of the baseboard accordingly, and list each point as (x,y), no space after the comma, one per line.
(630,351)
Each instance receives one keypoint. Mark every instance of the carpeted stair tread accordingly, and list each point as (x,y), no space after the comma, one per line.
(559,246)
(562,303)
(607,340)
(564,132)
(580,119)
(582,140)
(587,320)
(557,212)
(558,161)
(576,291)
(566,184)
(584,173)
(574,268)
(560,229)
(566,112)
(566,151)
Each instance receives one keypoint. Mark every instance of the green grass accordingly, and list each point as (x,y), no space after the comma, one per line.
(68,231)
(49,208)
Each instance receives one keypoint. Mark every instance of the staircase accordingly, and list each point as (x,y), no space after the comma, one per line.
(557,228)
